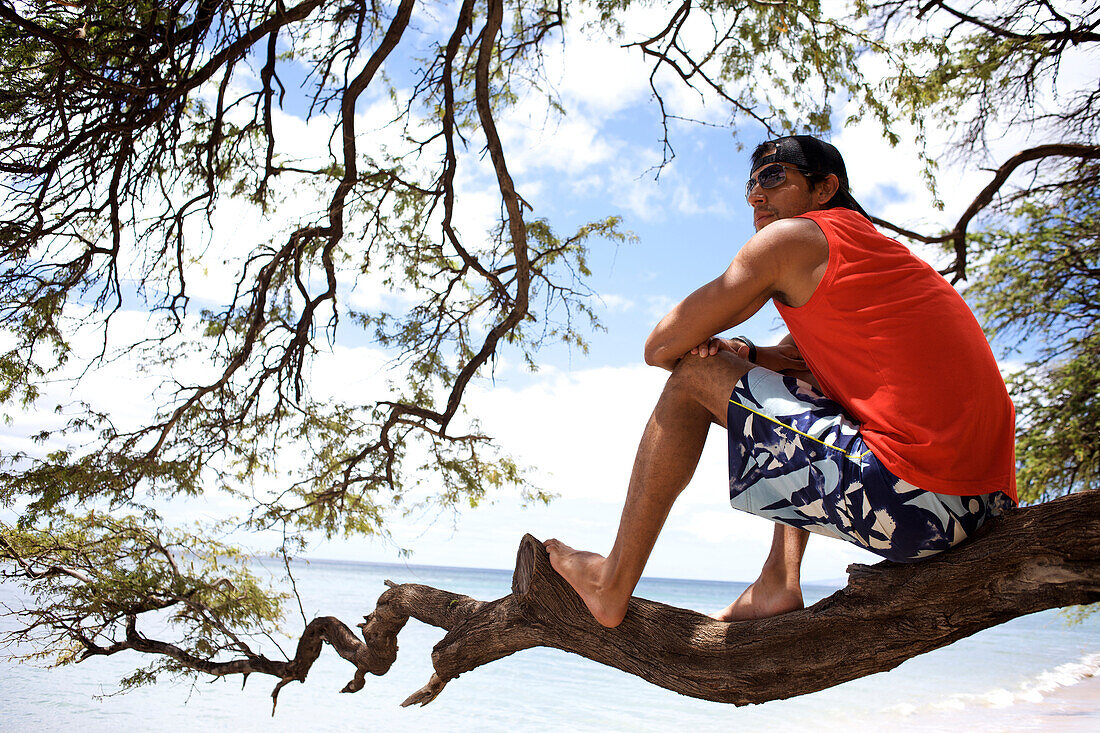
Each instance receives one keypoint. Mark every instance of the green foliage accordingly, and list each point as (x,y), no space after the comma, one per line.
(782,65)
(154,119)
(1037,284)
(91,581)
(1077,614)
(130,128)
(63,479)
(1058,446)
(1001,61)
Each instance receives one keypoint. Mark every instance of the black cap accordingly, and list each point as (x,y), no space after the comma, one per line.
(809,155)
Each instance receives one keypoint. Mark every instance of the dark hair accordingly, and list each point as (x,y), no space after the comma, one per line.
(816,177)
(815,158)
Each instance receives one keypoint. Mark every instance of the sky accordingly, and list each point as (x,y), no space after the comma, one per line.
(576,422)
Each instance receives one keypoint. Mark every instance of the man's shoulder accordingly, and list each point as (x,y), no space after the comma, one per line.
(796,252)
(792,235)
(795,228)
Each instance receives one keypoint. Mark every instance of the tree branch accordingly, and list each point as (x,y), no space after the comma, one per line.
(1029,560)
(957,235)
(1071,35)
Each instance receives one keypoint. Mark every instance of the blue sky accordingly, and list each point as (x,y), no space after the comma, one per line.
(577,420)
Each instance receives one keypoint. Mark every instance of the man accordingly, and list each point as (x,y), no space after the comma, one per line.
(899,437)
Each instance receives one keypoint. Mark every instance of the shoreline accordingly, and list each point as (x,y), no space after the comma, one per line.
(1072,708)
(1083,695)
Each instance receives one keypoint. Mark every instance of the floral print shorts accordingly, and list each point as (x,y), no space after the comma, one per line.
(796,457)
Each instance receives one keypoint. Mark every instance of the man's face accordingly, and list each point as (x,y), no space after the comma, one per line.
(792,197)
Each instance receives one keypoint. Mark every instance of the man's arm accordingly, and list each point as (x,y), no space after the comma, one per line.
(785,259)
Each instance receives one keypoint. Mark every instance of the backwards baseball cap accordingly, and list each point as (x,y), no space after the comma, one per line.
(809,155)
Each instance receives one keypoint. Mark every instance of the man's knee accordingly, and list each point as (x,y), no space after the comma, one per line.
(708,381)
(697,372)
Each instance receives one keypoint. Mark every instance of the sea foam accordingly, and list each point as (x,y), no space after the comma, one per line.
(1030,691)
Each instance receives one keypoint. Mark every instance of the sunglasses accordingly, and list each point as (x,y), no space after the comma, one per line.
(769,176)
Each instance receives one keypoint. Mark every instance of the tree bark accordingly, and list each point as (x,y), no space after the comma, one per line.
(1029,560)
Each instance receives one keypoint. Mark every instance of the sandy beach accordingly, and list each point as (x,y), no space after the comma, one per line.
(1067,708)
(1071,708)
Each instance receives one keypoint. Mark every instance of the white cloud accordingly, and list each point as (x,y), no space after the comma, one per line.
(594,72)
(686,195)
(615,303)
(578,430)
(658,306)
(355,375)
(726,525)
(572,145)
(1008,367)
(631,186)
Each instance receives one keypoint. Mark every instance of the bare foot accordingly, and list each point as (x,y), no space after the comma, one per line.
(584,571)
(761,600)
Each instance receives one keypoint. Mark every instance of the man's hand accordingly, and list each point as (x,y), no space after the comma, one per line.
(782,358)
(715,344)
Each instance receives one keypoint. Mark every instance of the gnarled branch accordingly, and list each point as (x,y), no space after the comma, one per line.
(957,235)
(1029,560)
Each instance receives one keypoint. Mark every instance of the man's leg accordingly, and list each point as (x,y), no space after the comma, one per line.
(778,589)
(696,395)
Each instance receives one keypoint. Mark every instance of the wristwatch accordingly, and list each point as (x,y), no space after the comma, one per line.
(750,344)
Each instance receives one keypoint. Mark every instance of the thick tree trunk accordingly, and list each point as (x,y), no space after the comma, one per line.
(1031,559)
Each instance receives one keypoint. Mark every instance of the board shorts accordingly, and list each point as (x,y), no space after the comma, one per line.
(795,457)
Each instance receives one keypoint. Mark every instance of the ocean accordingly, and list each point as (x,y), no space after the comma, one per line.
(1008,678)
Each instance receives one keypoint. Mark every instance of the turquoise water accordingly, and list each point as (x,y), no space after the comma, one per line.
(999,679)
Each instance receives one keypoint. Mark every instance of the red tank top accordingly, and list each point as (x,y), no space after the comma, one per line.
(890,340)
